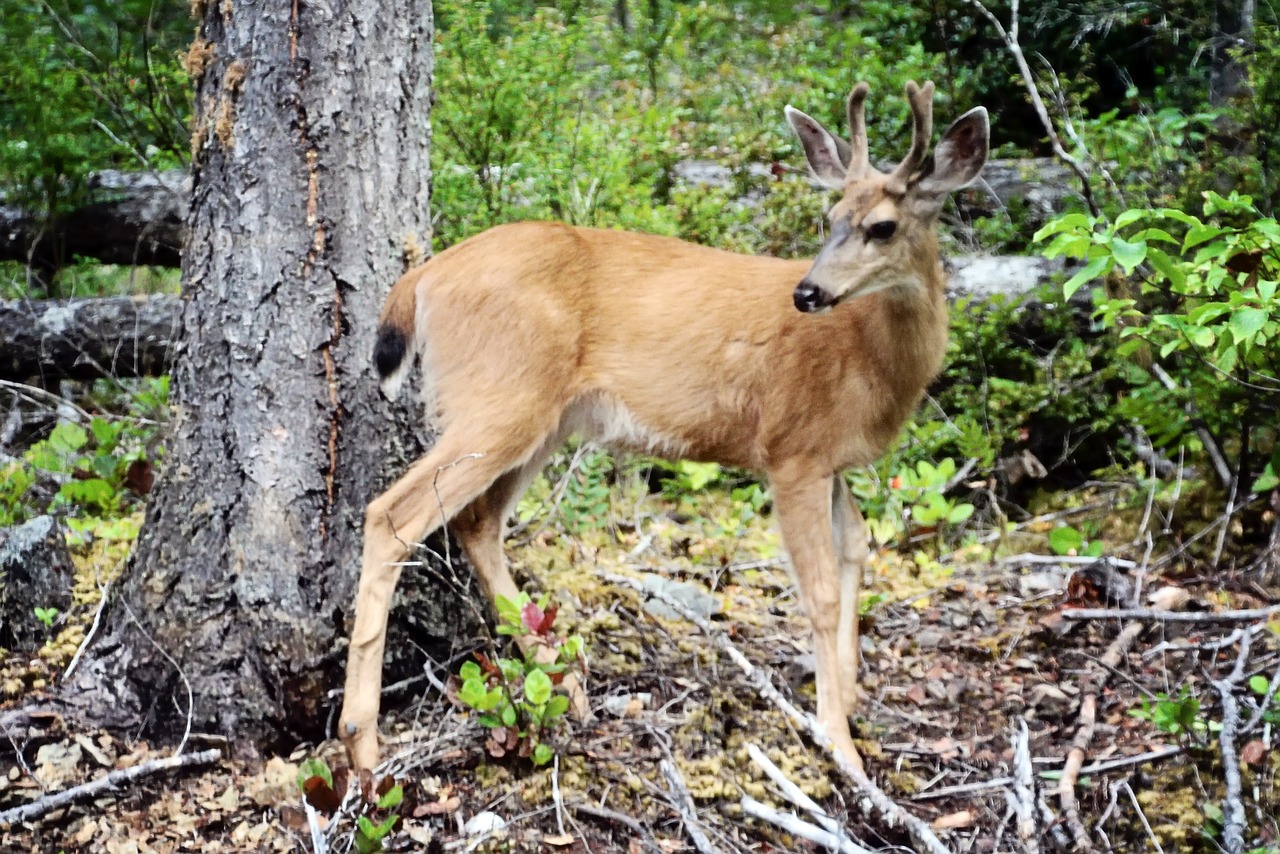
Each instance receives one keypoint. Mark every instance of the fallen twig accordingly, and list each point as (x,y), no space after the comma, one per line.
(111,781)
(684,803)
(1074,560)
(1245,615)
(796,826)
(793,793)
(760,679)
(1232,805)
(1022,800)
(1088,770)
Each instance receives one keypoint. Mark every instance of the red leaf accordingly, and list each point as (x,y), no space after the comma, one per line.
(1254,752)
(489,668)
(320,795)
(548,618)
(531,616)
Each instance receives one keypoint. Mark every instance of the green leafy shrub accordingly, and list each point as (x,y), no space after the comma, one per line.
(514,698)
(1205,308)
(94,473)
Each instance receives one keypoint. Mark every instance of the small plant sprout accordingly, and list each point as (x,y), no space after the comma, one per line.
(46,616)
(514,698)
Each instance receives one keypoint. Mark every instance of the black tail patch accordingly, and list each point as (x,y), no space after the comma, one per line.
(389,352)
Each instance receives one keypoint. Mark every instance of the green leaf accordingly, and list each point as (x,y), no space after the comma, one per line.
(391,798)
(556,706)
(1130,216)
(1099,266)
(1167,267)
(542,754)
(1177,215)
(1128,255)
(508,715)
(537,687)
(469,670)
(959,513)
(1064,540)
(1069,222)
(313,767)
(1246,322)
(1259,684)
(1199,233)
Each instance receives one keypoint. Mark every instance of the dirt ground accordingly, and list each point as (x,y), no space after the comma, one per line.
(959,650)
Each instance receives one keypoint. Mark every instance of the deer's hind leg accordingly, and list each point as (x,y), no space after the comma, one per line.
(465,463)
(480,528)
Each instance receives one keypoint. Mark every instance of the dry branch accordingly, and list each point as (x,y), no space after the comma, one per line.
(1246,615)
(688,811)
(111,781)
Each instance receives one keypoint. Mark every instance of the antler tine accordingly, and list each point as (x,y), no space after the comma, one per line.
(921,100)
(859,157)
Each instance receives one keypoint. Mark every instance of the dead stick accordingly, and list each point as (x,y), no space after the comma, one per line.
(684,803)
(1233,824)
(37,808)
(761,679)
(1246,615)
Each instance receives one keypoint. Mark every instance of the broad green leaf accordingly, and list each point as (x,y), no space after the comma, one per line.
(1064,540)
(1179,216)
(1200,233)
(508,715)
(1268,229)
(1159,235)
(542,754)
(1063,223)
(1128,255)
(1259,684)
(1096,268)
(391,798)
(313,767)
(1130,216)
(556,706)
(1167,267)
(1268,480)
(469,670)
(1201,336)
(1246,322)
(537,687)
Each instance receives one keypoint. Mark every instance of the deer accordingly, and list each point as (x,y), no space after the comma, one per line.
(530,332)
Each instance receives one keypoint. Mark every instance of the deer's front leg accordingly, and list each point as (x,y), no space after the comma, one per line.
(849,531)
(802,500)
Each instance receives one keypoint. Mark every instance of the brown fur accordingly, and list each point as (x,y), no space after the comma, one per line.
(531,331)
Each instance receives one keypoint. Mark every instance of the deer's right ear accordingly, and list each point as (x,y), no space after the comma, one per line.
(827,154)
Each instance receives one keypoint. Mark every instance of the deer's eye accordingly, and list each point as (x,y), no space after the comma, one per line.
(882,230)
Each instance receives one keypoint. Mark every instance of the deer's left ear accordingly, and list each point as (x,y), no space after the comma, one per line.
(960,154)
(827,154)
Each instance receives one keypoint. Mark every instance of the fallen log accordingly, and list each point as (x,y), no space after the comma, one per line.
(129,218)
(86,339)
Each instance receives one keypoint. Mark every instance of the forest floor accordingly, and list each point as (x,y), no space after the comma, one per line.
(959,651)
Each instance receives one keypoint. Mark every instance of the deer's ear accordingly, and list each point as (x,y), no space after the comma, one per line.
(960,154)
(826,153)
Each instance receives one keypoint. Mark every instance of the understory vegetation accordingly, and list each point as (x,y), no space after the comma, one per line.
(1130,411)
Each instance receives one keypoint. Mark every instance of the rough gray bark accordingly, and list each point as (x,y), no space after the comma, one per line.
(88,338)
(311,141)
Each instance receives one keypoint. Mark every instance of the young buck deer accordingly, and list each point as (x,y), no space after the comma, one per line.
(530,332)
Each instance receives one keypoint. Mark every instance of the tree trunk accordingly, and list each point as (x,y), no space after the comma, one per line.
(309,179)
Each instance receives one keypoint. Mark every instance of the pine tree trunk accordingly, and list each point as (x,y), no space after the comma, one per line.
(310,179)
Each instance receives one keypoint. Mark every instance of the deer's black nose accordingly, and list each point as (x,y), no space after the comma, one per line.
(808,297)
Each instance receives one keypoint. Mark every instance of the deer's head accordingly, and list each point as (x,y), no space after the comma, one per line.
(883,228)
